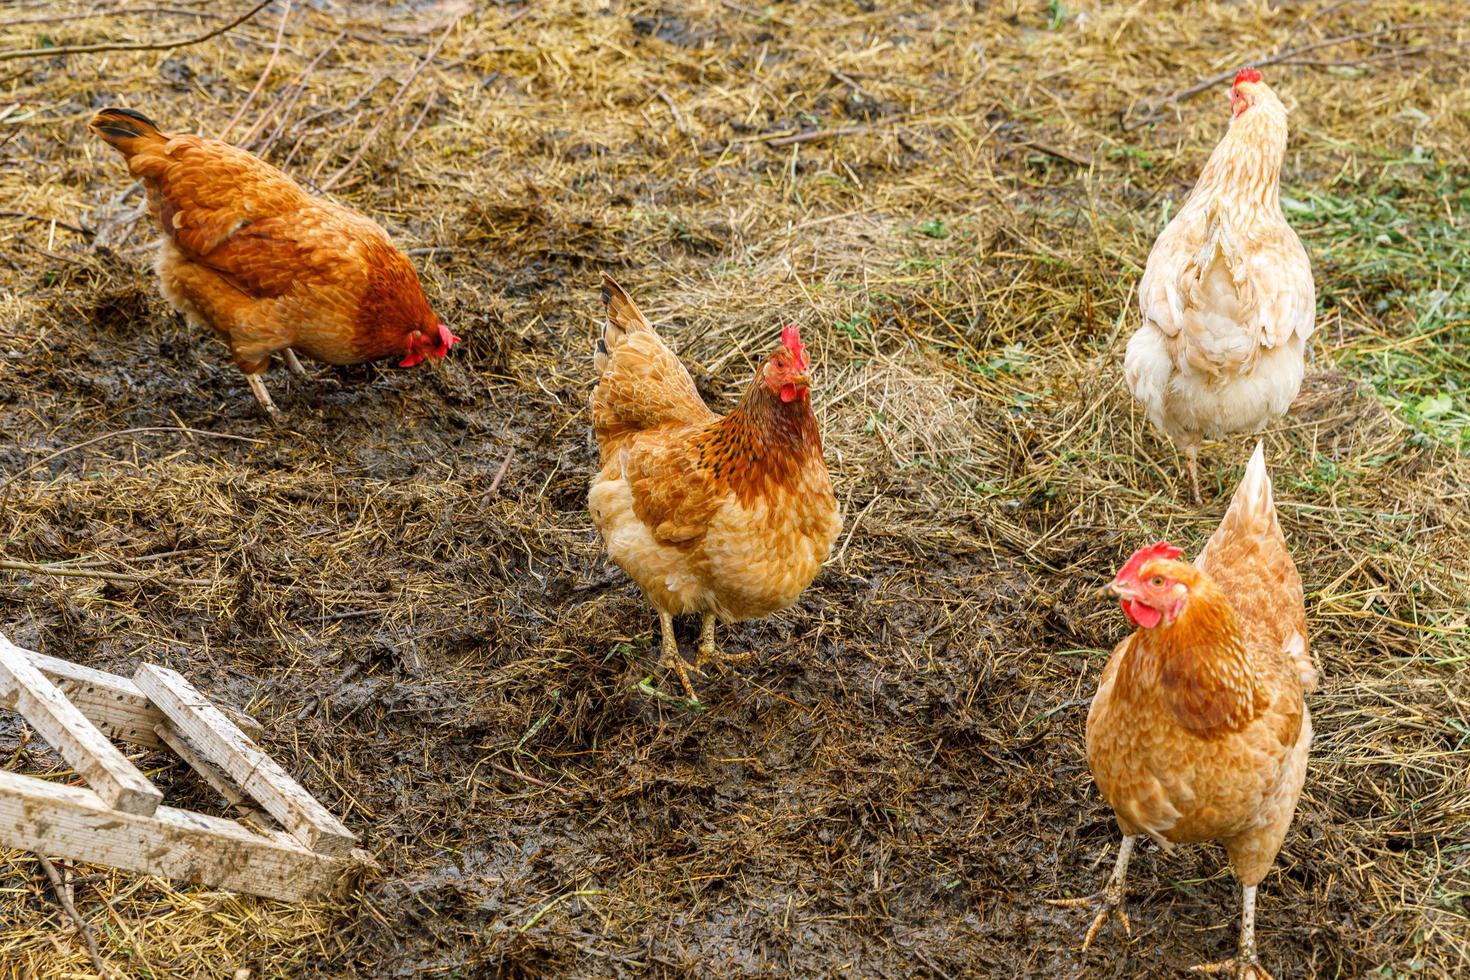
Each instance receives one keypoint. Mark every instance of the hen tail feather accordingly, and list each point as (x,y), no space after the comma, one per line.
(126,129)
(623,318)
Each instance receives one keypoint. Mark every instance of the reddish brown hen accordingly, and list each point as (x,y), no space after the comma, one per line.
(270,268)
(726,516)
(1199,730)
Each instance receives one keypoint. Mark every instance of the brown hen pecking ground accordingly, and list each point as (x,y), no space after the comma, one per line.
(954,201)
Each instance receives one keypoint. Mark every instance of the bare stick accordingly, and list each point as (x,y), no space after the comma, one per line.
(132,45)
(125,432)
(383,116)
(530,779)
(68,571)
(79,229)
(290,104)
(419,119)
(270,63)
(816,134)
(500,473)
(76,917)
(678,116)
(1213,80)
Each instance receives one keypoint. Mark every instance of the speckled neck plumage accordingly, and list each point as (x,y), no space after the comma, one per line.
(1246,165)
(763,443)
(1201,663)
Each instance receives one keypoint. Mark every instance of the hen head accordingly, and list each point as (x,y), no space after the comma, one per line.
(785,372)
(1153,586)
(420,344)
(394,313)
(1247,89)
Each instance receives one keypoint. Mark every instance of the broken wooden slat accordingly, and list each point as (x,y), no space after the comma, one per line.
(74,823)
(113,703)
(207,771)
(117,781)
(225,746)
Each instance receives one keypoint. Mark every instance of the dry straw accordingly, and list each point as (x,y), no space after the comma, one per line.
(954,201)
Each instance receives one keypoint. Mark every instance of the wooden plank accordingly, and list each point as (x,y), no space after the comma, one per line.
(117,781)
(74,823)
(221,783)
(113,703)
(220,742)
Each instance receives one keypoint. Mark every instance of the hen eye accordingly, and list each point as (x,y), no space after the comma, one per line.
(1156,581)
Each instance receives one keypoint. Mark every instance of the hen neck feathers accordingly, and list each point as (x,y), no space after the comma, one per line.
(763,443)
(1244,171)
(1201,664)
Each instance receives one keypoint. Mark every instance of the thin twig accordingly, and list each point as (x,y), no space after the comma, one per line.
(68,571)
(260,82)
(79,229)
(1060,153)
(126,432)
(387,110)
(59,887)
(530,779)
(419,119)
(287,102)
(500,473)
(132,45)
(816,134)
(678,116)
(1153,109)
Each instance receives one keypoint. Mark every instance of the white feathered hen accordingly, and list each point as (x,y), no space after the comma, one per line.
(1227,297)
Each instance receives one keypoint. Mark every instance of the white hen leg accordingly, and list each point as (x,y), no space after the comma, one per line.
(257,387)
(1246,965)
(1111,898)
(289,356)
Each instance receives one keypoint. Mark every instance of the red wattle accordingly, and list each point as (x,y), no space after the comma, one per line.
(788,393)
(1141,615)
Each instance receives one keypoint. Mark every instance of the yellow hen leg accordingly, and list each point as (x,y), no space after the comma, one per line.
(1245,966)
(706,639)
(671,655)
(1111,898)
(709,652)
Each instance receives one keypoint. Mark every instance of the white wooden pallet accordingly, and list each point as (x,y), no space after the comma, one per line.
(118,819)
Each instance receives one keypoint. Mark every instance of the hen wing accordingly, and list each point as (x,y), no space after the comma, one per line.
(672,494)
(244,219)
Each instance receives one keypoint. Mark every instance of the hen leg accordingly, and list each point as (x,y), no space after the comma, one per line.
(289,356)
(257,387)
(1246,965)
(671,656)
(1191,460)
(707,639)
(1111,897)
(709,652)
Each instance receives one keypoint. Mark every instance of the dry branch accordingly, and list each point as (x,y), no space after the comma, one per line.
(132,45)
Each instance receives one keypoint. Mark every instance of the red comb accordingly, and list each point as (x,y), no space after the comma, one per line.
(447,337)
(1143,556)
(791,340)
(1246,75)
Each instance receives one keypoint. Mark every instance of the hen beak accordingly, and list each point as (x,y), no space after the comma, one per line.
(803,379)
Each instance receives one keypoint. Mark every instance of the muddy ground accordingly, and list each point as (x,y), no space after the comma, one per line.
(401,580)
